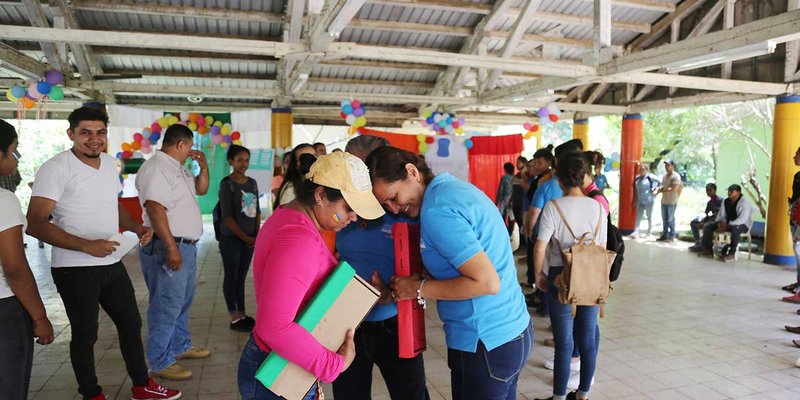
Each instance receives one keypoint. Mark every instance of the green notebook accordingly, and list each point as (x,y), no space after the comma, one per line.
(309,318)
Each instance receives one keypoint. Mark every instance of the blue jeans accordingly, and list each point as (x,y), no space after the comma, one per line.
(170,298)
(489,375)
(640,211)
(668,216)
(568,331)
(251,388)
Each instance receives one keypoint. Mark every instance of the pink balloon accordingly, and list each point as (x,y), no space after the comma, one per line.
(33,92)
(155,127)
(146,142)
(137,137)
(527,126)
(216,139)
(201,122)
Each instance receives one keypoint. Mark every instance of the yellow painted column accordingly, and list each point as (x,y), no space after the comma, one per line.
(281,127)
(580,130)
(785,141)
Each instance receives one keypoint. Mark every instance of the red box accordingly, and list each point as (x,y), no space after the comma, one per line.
(410,314)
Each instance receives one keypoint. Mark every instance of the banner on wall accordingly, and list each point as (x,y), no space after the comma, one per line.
(448,154)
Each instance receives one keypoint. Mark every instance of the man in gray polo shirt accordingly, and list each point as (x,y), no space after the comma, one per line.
(169,264)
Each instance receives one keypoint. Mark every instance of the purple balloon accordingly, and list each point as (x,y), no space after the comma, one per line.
(227,139)
(215,130)
(358,112)
(54,77)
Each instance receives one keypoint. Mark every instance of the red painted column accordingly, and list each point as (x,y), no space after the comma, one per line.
(630,156)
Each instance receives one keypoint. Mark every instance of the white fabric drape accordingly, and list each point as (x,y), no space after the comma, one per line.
(255,127)
(124,121)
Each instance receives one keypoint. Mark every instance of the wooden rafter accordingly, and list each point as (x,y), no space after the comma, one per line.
(521,24)
(685,8)
(37,18)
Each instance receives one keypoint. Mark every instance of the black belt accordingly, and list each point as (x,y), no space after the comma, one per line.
(180,240)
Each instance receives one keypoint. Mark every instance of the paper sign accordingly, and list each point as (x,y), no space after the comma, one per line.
(126,243)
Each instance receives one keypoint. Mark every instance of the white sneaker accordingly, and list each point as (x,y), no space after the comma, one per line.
(575,381)
(573,366)
(797,363)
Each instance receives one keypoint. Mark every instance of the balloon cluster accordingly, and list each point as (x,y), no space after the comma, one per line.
(425,140)
(444,123)
(354,113)
(551,113)
(47,88)
(221,133)
(531,129)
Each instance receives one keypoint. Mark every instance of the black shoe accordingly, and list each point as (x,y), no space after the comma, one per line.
(250,322)
(791,287)
(662,239)
(241,326)
(695,248)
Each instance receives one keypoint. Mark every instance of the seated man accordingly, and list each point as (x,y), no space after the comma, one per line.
(710,216)
(735,216)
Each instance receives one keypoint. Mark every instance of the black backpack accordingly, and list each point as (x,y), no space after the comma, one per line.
(216,214)
(614,243)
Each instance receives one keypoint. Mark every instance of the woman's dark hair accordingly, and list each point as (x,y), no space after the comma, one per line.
(546,153)
(86,114)
(388,164)
(509,168)
(305,193)
(365,144)
(7,136)
(571,169)
(234,151)
(306,161)
(293,174)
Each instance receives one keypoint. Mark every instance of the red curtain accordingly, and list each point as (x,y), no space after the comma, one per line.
(399,140)
(486,159)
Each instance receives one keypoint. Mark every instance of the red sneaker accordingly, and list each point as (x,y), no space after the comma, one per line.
(795,298)
(100,396)
(154,391)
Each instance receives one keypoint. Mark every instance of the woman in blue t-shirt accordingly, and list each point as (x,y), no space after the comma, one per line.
(467,255)
(369,247)
(241,219)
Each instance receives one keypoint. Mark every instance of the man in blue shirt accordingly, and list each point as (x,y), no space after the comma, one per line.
(709,216)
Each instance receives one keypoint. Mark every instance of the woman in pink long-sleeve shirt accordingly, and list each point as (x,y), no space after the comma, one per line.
(291,262)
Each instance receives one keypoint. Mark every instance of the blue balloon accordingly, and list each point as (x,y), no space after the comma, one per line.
(429,120)
(608,165)
(43,87)
(154,137)
(18,92)
(347,109)
(468,143)
(119,154)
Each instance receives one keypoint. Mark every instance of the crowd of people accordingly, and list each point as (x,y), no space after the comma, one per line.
(359,194)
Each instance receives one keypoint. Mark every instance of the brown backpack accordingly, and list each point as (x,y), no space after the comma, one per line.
(584,280)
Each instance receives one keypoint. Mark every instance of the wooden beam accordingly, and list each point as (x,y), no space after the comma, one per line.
(692,101)
(484,9)
(685,8)
(576,20)
(727,23)
(598,92)
(179,11)
(779,28)
(19,63)
(37,18)
(702,83)
(601,29)
(150,40)
(521,25)
(450,80)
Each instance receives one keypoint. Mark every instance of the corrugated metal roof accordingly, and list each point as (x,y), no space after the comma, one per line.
(173,24)
(187,64)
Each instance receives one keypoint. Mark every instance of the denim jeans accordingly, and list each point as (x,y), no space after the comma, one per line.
(641,209)
(668,216)
(236,257)
(735,230)
(249,387)
(568,332)
(489,375)
(376,344)
(16,349)
(84,290)
(171,295)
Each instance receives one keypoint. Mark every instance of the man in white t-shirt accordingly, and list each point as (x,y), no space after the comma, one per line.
(169,264)
(79,188)
(670,191)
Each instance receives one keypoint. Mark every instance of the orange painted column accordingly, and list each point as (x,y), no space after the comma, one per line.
(281,127)
(630,156)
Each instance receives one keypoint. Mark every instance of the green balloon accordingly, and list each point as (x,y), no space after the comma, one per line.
(56,93)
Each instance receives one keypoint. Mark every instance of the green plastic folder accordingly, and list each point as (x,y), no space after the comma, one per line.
(309,318)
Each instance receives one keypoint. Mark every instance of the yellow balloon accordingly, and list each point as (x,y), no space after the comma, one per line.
(352,130)
(218,123)
(238,142)
(423,148)
(163,122)
(226,129)
(173,120)
(361,121)
(421,138)
(192,126)
(209,120)
(11,97)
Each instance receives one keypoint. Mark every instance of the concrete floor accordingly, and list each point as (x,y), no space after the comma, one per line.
(677,327)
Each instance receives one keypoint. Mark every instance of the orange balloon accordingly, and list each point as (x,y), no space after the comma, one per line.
(202,130)
(193,117)
(127,147)
(28,103)
(136,145)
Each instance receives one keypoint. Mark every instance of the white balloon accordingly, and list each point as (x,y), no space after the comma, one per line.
(185,116)
(350,119)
